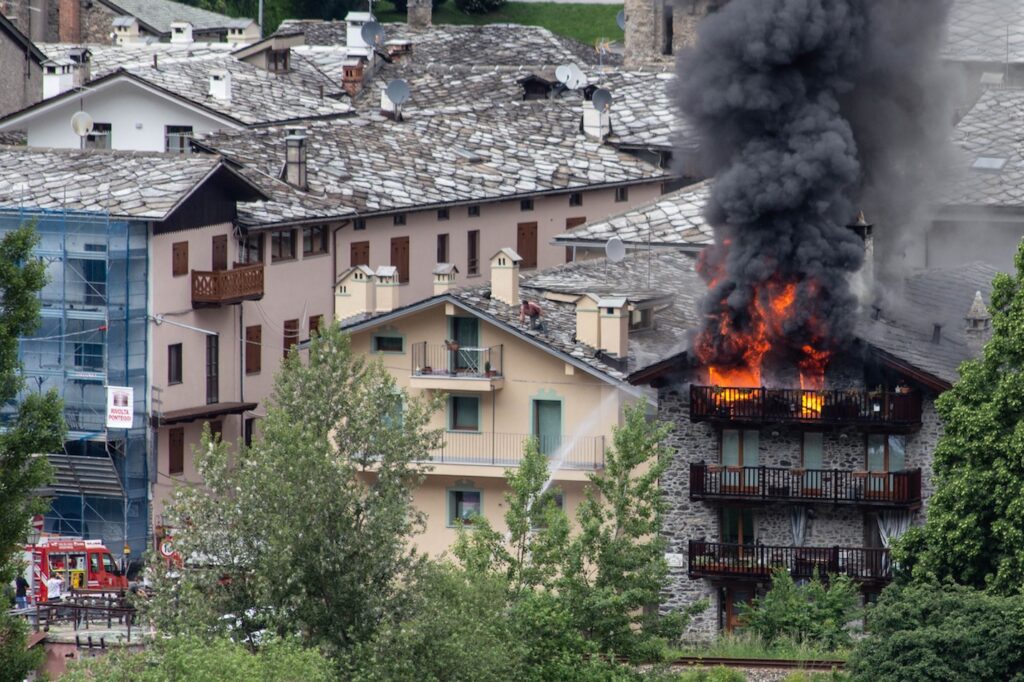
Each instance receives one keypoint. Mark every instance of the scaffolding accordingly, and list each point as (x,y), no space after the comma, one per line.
(92,334)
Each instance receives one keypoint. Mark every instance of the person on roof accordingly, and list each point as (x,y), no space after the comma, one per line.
(533,311)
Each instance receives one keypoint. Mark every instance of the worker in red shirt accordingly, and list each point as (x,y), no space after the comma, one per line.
(533,311)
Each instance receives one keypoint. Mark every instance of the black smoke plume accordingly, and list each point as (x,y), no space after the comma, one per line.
(774,90)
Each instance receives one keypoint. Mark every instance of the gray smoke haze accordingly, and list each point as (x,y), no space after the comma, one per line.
(807,110)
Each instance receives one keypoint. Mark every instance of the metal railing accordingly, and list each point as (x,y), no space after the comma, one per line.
(506,449)
(733,560)
(223,287)
(794,405)
(455,361)
(839,486)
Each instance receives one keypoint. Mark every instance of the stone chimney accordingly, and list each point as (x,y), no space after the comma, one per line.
(58,77)
(69,22)
(505,276)
(614,321)
(295,161)
(355,293)
(588,324)
(419,13)
(444,278)
(865,231)
(387,288)
(181,32)
(220,84)
(352,76)
(979,326)
(397,48)
(597,123)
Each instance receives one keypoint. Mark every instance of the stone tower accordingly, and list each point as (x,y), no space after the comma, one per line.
(420,13)
(657,29)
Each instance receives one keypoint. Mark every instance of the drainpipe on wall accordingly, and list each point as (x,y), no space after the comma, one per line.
(241,369)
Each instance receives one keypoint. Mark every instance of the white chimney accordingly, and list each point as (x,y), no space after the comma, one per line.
(295,161)
(597,123)
(126,30)
(355,293)
(387,288)
(444,278)
(220,84)
(354,43)
(181,32)
(58,77)
(505,276)
(387,107)
(588,324)
(614,320)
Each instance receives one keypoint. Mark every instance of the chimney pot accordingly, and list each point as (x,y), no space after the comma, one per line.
(505,276)
(220,84)
(444,278)
(387,288)
(597,123)
(614,320)
(58,77)
(352,76)
(181,32)
(355,292)
(295,160)
(979,325)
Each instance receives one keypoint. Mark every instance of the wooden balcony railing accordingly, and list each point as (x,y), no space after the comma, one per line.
(777,484)
(224,287)
(891,410)
(757,562)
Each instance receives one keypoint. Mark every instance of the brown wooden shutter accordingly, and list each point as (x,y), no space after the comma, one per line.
(253,349)
(314,324)
(179,259)
(400,257)
(473,250)
(359,253)
(291,335)
(220,252)
(176,451)
(526,244)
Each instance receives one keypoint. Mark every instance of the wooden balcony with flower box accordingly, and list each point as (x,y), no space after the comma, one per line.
(890,411)
(876,489)
(452,367)
(733,561)
(212,288)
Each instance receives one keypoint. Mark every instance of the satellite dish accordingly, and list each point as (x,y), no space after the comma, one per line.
(602,99)
(620,19)
(615,250)
(578,79)
(397,91)
(563,73)
(81,123)
(372,33)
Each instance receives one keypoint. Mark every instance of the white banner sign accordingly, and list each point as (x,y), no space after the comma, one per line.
(120,407)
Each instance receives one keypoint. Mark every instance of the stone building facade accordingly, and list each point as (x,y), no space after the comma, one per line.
(21,79)
(658,29)
(830,527)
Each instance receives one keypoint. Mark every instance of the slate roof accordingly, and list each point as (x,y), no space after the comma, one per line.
(993,128)
(494,44)
(935,296)
(675,220)
(978,31)
(374,164)
(108,58)
(158,14)
(139,185)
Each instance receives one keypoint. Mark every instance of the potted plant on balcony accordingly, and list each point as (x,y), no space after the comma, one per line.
(488,372)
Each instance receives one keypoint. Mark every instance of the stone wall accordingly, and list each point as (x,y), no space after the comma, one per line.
(21,78)
(827,524)
(97,22)
(646,23)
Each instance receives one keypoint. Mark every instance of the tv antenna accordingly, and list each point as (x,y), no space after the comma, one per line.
(602,99)
(81,123)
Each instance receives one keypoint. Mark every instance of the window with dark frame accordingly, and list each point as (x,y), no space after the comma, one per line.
(473,251)
(254,349)
(641,318)
(89,356)
(282,245)
(314,240)
(291,335)
(443,214)
(216,430)
(212,369)
(463,413)
(442,248)
(174,364)
(576,199)
(464,505)
(473,211)
(398,219)
(278,61)
(621,194)
(176,451)
(359,224)
(177,139)
(179,259)
(252,248)
(388,344)
(526,204)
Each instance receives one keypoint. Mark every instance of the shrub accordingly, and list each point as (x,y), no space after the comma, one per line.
(810,613)
(479,6)
(719,674)
(941,632)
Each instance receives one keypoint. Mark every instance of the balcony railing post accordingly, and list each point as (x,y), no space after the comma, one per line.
(761,482)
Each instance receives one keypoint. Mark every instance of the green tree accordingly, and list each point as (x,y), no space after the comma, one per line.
(812,613)
(308,532)
(974,532)
(38,428)
(929,632)
(191,658)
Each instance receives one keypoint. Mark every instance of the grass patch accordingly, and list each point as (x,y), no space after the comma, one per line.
(742,645)
(585,23)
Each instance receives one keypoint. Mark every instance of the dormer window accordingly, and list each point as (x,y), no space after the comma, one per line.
(641,318)
(277,61)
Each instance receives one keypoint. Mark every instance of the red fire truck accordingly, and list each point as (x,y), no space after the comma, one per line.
(82,564)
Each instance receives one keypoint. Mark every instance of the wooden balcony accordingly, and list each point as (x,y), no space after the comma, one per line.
(226,287)
(757,562)
(890,411)
(880,489)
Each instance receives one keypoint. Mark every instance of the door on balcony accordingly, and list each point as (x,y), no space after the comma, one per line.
(212,369)
(547,425)
(465,331)
(885,454)
(734,597)
(220,252)
(811,462)
(739,460)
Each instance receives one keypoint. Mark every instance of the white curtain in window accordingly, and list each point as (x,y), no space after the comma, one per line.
(891,525)
(798,525)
